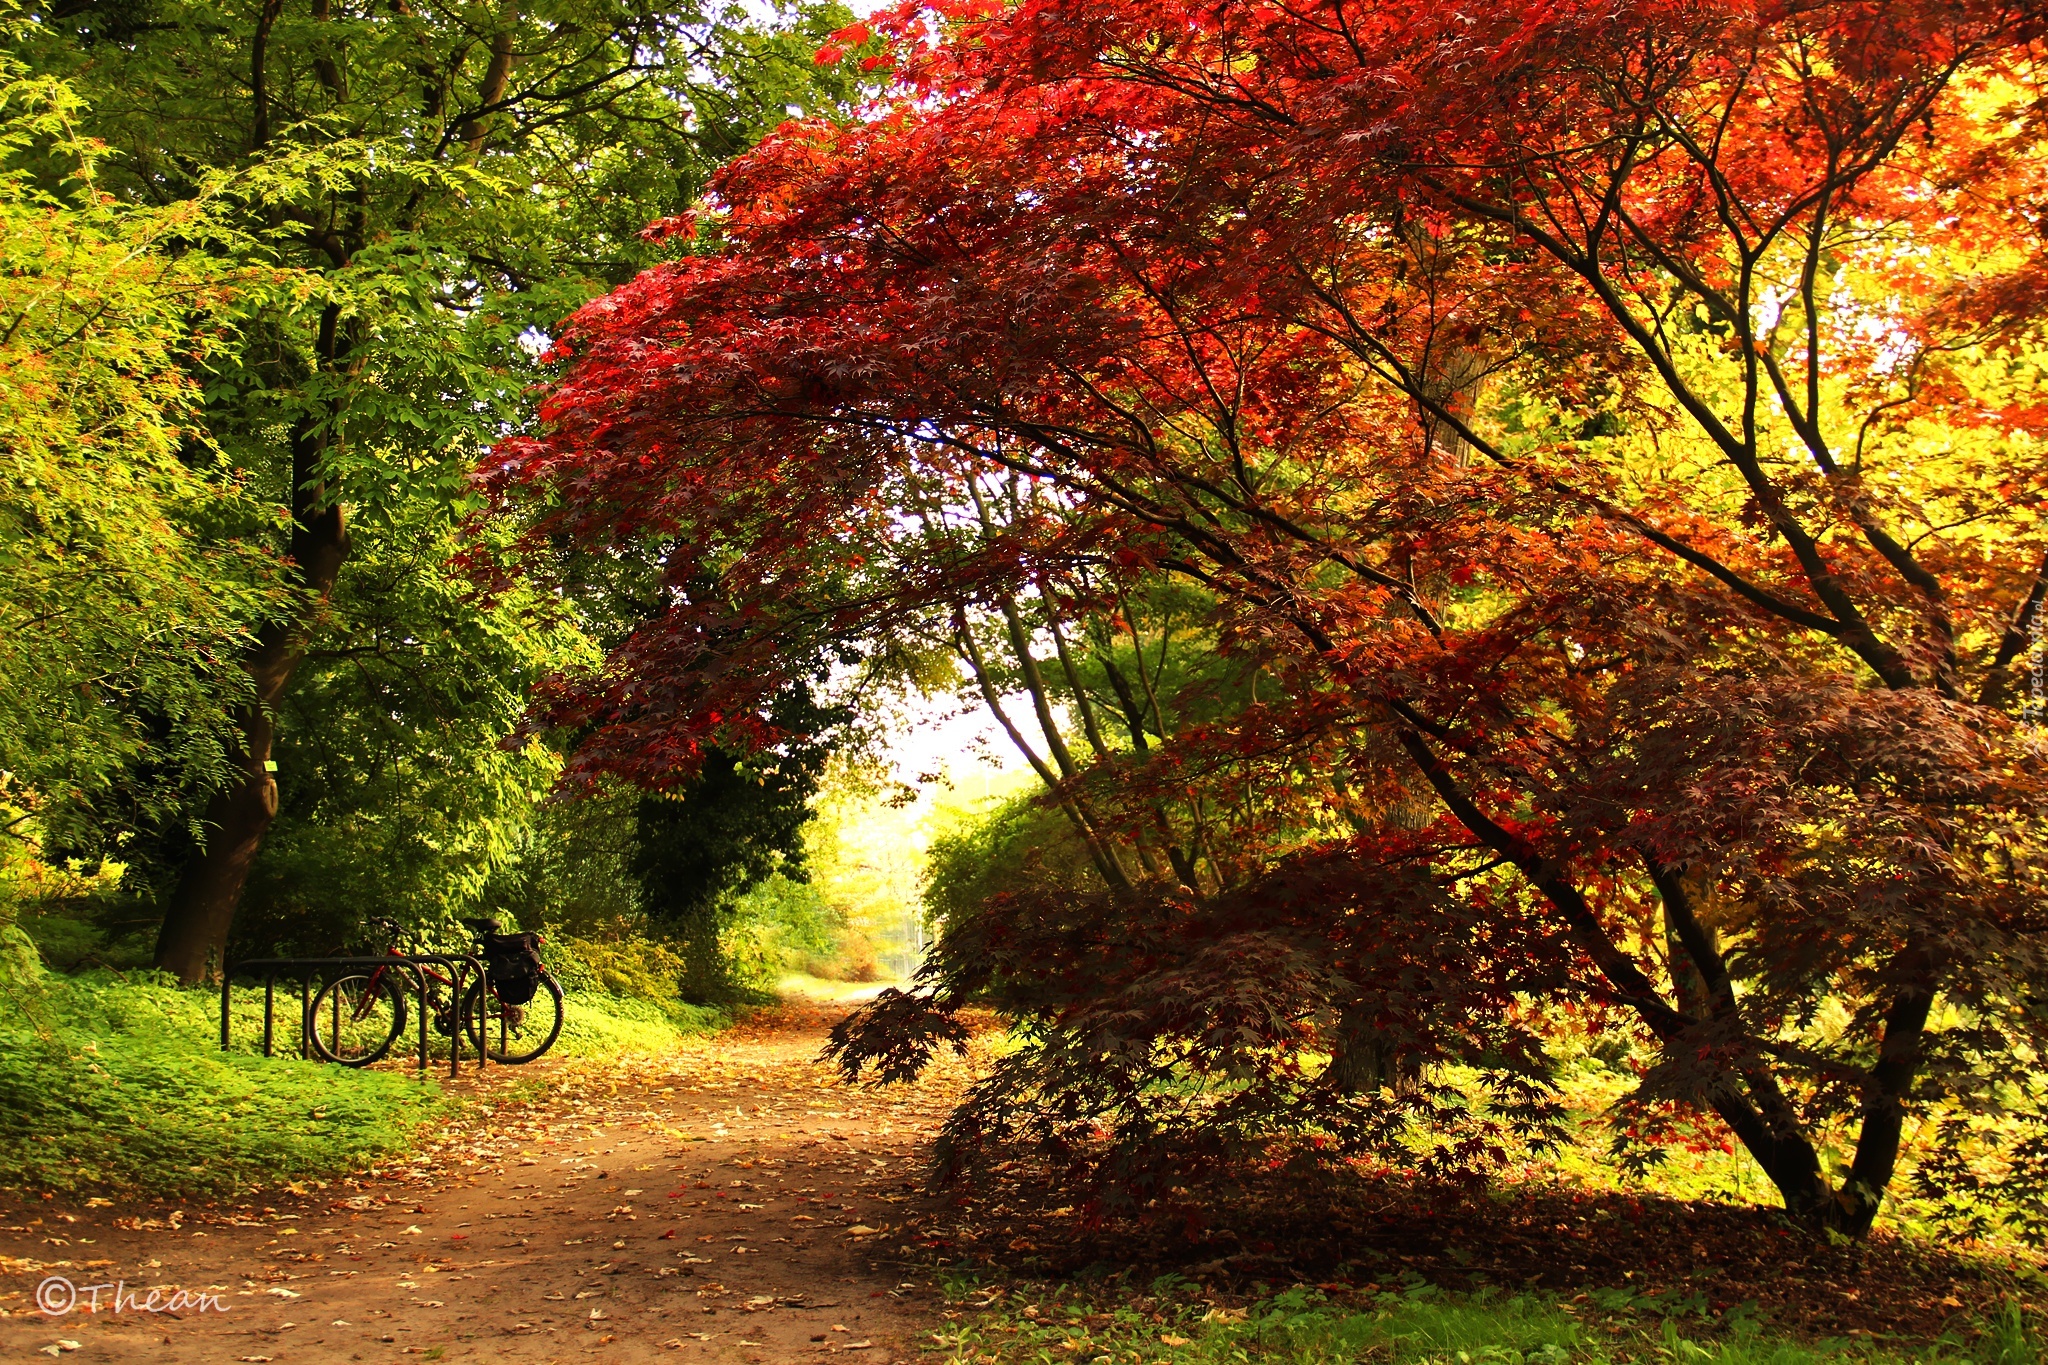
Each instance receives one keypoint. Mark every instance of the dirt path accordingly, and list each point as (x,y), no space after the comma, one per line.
(731,1203)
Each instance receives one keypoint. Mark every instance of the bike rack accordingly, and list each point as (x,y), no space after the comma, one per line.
(304,968)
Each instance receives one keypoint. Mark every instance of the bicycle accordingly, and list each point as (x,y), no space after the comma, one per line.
(356,1019)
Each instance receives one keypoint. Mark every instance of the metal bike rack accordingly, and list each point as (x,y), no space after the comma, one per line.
(303,969)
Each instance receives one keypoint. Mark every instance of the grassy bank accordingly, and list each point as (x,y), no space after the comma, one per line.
(115,1082)
(1172,1322)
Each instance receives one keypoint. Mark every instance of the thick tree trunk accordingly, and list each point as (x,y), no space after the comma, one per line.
(193,941)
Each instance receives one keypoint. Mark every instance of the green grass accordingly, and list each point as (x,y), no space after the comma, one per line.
(1178,1324)
(599,1024)
(116,1082)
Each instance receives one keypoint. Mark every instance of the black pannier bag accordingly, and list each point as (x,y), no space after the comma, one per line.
(513,961)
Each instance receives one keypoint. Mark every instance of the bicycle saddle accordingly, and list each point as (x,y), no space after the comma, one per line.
(482,926)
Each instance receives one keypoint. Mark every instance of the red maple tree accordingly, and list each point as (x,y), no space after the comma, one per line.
(1614,423)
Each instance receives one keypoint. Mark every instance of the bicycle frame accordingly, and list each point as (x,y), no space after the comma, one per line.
(377,977)
(303,968)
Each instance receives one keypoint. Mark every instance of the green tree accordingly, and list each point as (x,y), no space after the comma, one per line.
(122,609)
(738,821)
(400,787)
(448,181)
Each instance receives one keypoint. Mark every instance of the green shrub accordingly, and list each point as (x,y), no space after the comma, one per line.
(1014,845)
(623,992)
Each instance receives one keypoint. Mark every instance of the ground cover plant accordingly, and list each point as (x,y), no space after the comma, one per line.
(1716,1262)
(115,1082)
(1413,1323)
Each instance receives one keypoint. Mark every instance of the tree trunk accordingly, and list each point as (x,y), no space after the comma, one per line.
(497,74)
(193,941)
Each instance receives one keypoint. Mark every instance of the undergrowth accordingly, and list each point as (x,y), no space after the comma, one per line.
(1175,1322)
(622,997)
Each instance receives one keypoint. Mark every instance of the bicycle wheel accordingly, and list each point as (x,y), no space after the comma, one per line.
(515,1033)
(355,1019)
